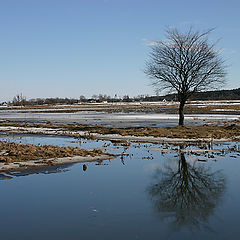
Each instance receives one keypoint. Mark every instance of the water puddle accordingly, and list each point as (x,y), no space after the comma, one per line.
(151,191)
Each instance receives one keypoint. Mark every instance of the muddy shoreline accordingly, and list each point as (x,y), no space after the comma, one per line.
(17,156)
(28,165)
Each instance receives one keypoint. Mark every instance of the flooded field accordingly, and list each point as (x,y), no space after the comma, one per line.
(157,114)
(151,191)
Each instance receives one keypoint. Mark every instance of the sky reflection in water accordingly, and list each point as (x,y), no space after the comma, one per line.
(147,194)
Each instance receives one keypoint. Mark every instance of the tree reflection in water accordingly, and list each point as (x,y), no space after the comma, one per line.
(186,194)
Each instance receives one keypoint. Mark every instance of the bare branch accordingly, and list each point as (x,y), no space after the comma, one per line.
(185,63)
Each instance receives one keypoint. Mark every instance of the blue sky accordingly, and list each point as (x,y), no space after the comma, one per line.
(68,48)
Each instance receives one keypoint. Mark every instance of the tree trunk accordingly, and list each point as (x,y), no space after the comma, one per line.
(181,113)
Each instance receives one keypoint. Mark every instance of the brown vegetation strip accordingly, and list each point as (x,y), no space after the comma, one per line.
(11,152)
(194,132)
(171,132)
(228,130)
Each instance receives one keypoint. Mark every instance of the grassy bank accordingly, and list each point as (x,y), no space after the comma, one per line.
(217,132)
(229,130)
(12,152)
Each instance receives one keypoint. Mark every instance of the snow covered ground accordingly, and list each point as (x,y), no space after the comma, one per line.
(116,119)
(126,114)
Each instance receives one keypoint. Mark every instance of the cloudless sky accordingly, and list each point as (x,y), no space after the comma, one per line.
(68,48)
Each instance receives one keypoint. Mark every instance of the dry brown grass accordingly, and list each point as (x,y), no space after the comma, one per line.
(11,152)
(227,130)
(193,132)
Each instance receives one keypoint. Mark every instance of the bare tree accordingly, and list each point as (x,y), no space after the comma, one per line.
(82,98)
(19,100)
(185,63)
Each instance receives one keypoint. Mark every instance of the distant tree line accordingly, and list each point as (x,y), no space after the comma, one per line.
(233,94)
(20,100)
(218,95)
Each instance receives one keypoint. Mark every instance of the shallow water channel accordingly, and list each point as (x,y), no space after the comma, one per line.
(151,191)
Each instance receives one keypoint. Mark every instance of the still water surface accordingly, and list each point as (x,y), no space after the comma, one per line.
(145,194)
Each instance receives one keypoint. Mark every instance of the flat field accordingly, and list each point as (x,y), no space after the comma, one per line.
(122,115)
